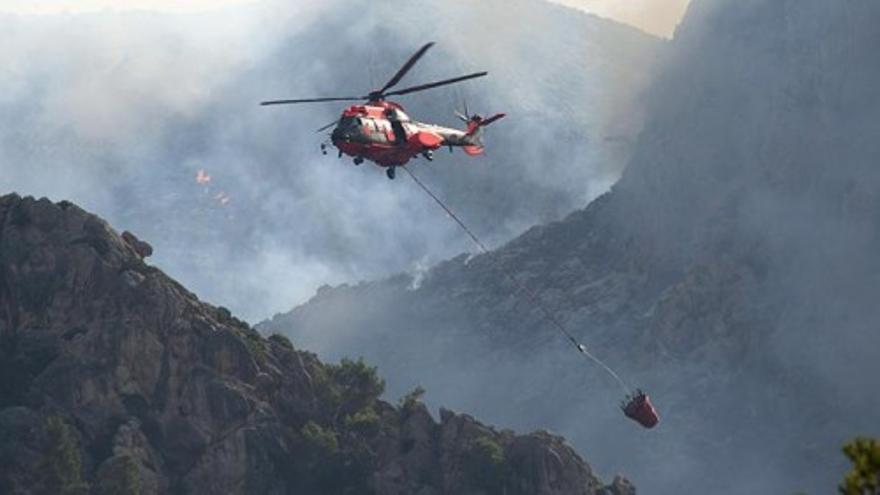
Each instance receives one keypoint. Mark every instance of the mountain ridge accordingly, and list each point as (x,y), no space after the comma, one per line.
(116,379)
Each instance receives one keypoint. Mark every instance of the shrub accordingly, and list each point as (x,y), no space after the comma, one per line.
(322,441)
(487,452)
(332,464)
(485,464)
(409,401)
(281,340)
(255,345)
(351,386)
(365,422)
(120,477)
(864,477)
(62,460)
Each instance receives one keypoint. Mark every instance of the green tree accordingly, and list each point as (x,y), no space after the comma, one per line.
(120,477)
(485,466)
(351,386)
(255,345)
(409,401)
(321,441)
(864,477)
(62,460)
(281,340)
(333,463)
(365,422)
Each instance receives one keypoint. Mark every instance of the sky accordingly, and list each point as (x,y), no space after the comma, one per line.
(80,6)
(657,17)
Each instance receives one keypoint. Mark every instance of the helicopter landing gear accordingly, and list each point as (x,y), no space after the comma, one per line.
(390,172)
(358,160)
(429,155)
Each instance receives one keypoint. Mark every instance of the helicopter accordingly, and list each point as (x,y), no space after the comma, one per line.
(380,131)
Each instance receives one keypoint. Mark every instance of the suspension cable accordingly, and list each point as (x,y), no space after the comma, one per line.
(535,299)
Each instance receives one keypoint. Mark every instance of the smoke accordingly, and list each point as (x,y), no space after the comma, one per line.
(119,111)
(732,272)
(80,6)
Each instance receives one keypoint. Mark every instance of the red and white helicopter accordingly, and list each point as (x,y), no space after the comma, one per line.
(379,130)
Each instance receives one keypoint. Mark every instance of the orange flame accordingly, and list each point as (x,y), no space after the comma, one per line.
(202,177)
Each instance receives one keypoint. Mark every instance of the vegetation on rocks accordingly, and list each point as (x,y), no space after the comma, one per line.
(486,464)
(162,393)
(349,387)
(412,399)
(62,463)
(365,422)
(864,477)
(281,340)
(121,477)
(322,441)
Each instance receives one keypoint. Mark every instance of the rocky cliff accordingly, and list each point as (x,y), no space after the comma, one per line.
(733,270)
(116,379)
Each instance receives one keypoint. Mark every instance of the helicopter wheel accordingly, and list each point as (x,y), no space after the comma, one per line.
(390,172)
(429,155)
(358,160)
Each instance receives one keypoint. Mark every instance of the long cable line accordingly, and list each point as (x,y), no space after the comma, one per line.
(536,300)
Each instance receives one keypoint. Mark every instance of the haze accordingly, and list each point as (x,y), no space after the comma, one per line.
(658,17)
(118,111)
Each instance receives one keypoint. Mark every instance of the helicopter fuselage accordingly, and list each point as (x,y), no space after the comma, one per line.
(380,131)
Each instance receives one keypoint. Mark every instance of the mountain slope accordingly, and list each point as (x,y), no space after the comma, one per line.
(732,271)
(115,378)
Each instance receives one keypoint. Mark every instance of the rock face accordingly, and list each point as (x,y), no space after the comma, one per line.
(116,379)
(733,271)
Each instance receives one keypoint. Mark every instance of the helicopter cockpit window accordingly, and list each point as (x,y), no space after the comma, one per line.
(395,114)
(399,115)
(349,122)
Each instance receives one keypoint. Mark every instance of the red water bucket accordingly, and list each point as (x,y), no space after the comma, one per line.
(639,409)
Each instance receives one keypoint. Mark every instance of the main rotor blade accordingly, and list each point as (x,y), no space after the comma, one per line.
(331,124)
(493,118)
(422,87)
(312,100)
(406,67)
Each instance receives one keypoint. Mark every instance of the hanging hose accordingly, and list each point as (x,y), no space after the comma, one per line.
(532,295)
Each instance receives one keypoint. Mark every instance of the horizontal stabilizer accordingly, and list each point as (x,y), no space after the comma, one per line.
(473,150)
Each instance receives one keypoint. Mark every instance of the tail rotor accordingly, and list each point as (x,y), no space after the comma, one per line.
(475,124)
(476,121)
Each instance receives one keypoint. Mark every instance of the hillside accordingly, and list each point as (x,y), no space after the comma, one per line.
(733,271)
(116,379)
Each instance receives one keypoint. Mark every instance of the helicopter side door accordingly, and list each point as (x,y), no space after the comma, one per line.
(396,127)
(376,131)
